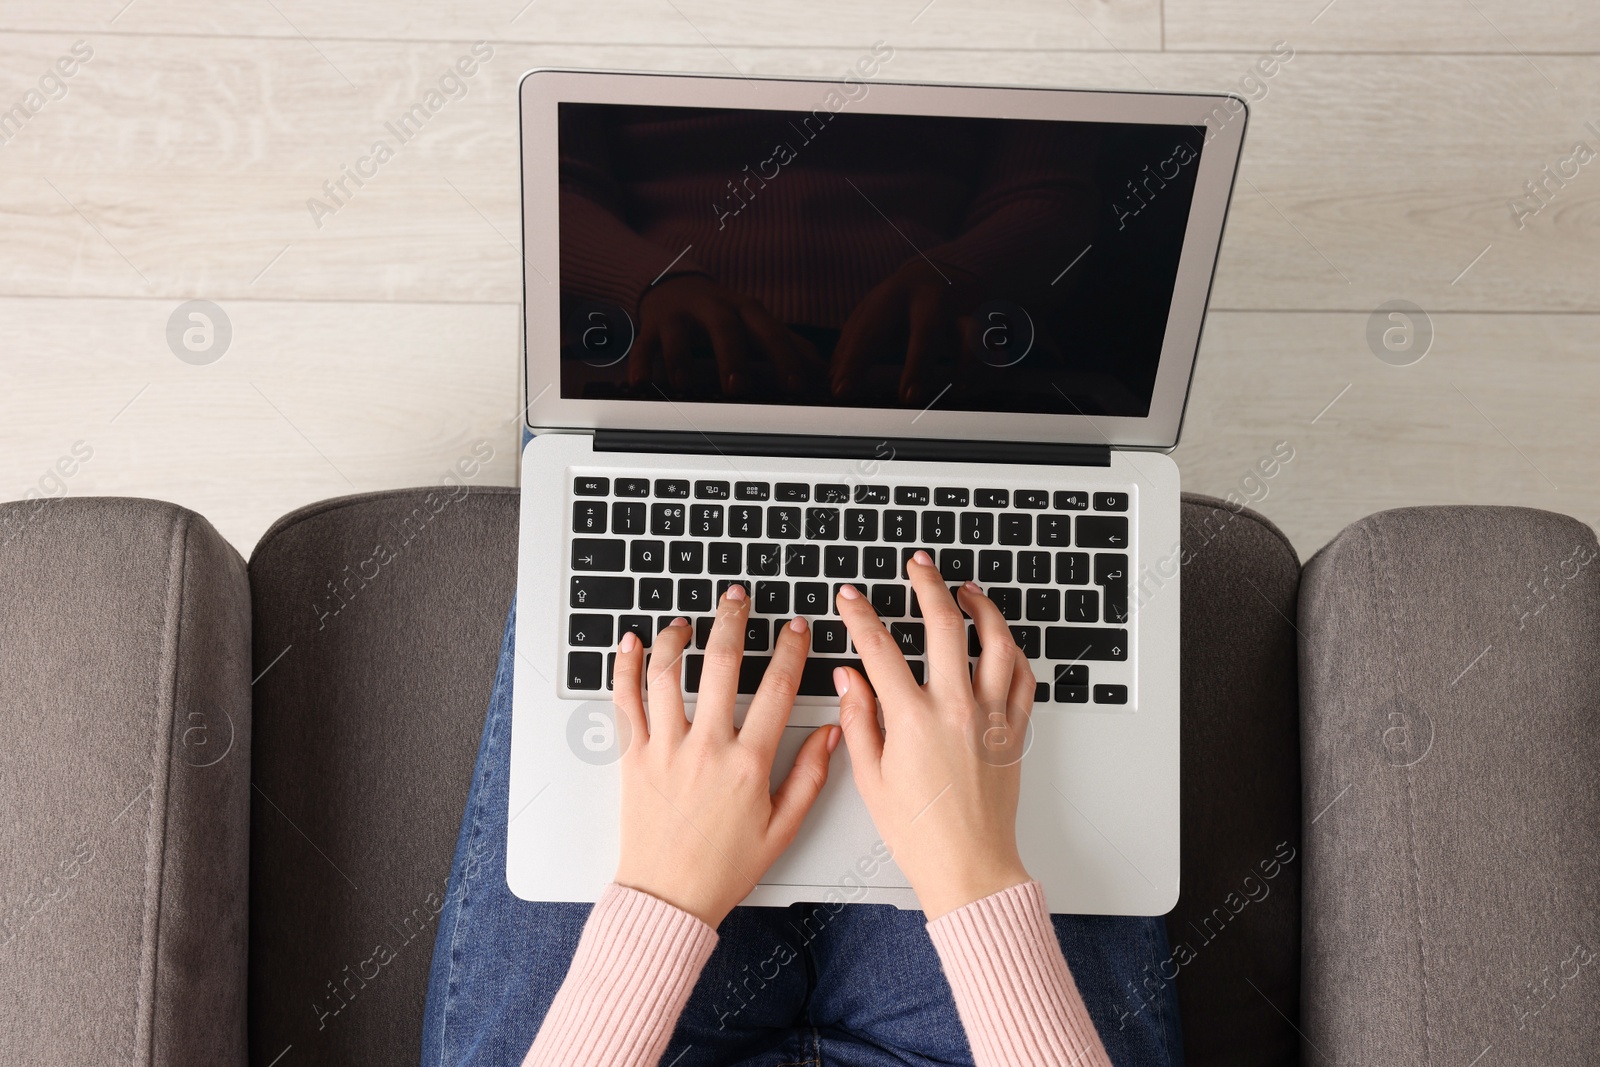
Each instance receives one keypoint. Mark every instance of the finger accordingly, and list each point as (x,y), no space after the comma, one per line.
(769,710)
(886,667)
(665,680)
(944,625)
(728,344)
(929,340)
(801,786)
(1019,698)
(858,718)
(627,676)
(719,678)
(992,678)
(675,347)
(642,355)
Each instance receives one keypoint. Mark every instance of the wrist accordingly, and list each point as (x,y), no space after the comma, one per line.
(708,911)
(957,889)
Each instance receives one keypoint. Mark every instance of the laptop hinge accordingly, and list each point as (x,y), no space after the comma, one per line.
(688,443)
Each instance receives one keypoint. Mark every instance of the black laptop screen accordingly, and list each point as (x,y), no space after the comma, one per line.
(895,261)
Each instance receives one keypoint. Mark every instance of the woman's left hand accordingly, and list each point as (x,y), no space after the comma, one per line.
(700,825)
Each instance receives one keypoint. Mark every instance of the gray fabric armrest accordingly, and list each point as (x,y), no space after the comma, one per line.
(1235,932)
(1449,685)
(378,621)
(124,786)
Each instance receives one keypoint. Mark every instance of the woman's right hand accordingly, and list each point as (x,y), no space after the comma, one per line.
(942,777)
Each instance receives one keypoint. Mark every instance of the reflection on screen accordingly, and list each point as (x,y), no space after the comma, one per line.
(898,261)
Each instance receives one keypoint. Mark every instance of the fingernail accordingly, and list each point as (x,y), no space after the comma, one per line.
(922,557)
(973,587)
(680,621)
(841,680)
(834,733)
(849,592)
(797,624)
(735,592)
(629,642)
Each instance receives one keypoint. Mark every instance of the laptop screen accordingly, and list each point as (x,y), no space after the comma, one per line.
(868,260)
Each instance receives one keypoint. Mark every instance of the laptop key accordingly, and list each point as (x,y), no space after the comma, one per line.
(915,495)
(860,525)
(633,487)
(589,630)
(772,598)
(589,517)
(909,637)
(950,498)
(763,559)
(705,520)
(584,670)
(1111,502)
(1111,574)
(840,561)
(686,557)
(1072,694)
(757,635)
(647,557)
(751,491)
(1102,531)
(1110,694)
(600,594)
(667,520)
(1008,600)
(783,522)
(1033,568)
(860,587)
(723,557)
(1085,642)
(1030,498)
(1041,693)
(898,526)
(889,600)
(1083,605)
(598,554)
(1071,500)
(939,527)
(992,498)
(816,677)
(1044,605)
(994,566)
(587,485)
(878,562)
(802,561)
(1055,531)
(1072,674)
(627,517)
(822,524)
(811,598)
(744,521)
(673,488)
(872,494)
(694,595)
(1016,529)
(832,493)
(725,584)
(798,492)
(977,528)
(711,490)
(655,594)
(829,635)
(1072,568)
(637,625)
(957,564)
(1027,639)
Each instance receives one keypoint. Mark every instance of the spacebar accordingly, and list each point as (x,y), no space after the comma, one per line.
(816,679)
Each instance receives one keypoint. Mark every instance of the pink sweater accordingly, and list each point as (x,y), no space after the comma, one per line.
(639,957)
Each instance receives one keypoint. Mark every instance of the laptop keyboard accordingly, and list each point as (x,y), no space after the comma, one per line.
(645,550)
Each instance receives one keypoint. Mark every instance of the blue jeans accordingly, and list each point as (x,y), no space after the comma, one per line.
(810,985)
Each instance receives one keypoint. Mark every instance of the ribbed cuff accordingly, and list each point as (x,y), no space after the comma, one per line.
(1017,1000)
(637,961)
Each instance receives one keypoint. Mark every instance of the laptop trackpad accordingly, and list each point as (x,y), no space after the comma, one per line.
(837,846)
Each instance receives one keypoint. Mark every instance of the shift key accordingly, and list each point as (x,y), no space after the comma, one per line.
(594,592)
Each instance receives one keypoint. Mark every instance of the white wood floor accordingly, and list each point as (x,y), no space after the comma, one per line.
(377,350)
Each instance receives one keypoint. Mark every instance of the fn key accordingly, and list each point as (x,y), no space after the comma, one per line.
(584,670)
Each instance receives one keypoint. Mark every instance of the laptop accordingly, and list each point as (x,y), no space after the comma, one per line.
(787,332)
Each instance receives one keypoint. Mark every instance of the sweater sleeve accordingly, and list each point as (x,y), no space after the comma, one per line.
(636,963)
(1016,998)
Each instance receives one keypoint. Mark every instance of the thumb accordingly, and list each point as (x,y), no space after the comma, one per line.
(801,786)
(858,718)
